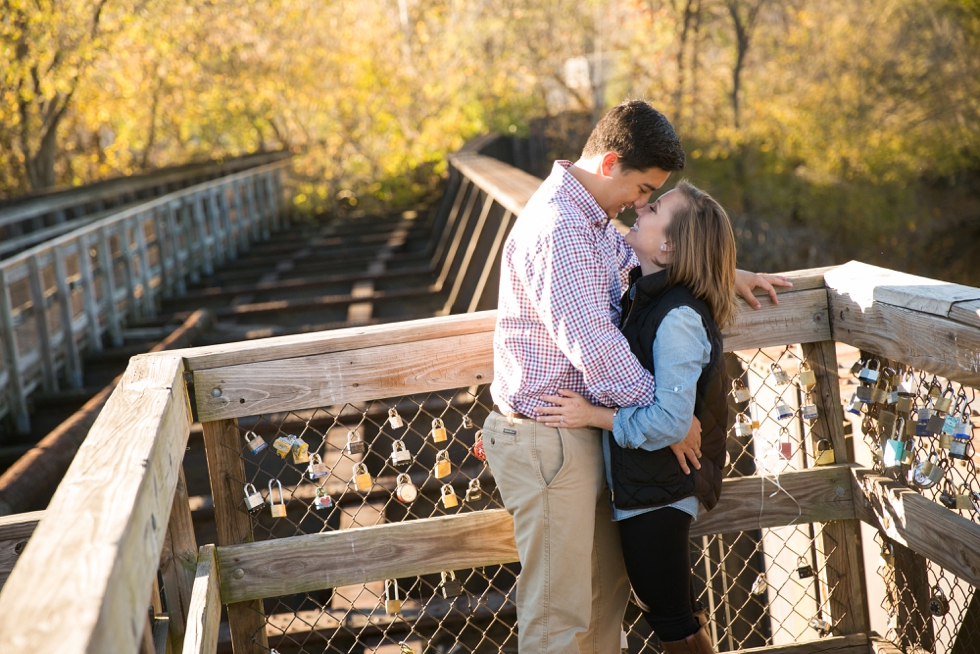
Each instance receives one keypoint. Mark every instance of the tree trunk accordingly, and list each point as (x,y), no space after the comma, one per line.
(40,165)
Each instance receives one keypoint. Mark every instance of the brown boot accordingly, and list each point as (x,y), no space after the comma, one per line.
(701,616)
(699,643)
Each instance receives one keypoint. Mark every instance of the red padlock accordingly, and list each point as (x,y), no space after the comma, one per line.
(478,451)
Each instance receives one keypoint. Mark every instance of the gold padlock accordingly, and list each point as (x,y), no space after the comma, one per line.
(283,445)
(278,509)
(443,465)
(393,605)
(301,451)
(825,453)
(449,499)
(945,440)
(944,401)
(362,478)
(808,378)
(964,501)
(438,431)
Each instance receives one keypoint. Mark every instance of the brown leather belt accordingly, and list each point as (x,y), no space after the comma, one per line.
(512,414)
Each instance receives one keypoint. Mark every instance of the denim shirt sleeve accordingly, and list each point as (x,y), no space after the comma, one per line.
(681,349)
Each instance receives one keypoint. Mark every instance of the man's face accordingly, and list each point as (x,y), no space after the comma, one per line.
(625,189)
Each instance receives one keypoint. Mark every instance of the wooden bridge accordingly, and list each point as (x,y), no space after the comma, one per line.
(782,562)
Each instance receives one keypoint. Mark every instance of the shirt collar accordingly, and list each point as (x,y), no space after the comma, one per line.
(567,183)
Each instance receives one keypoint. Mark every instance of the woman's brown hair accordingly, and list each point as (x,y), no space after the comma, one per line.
(704,251)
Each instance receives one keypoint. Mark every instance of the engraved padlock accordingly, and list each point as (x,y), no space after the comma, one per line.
(394,419)
(825,453)
(451,586)
(783,412)
(739,392)
(399,454)
(362,478)
(743,427)
(283,445)
(478,450)
(808,378)
(803,569)
(438,431)
(474,492)
(405,490)
(253,498)
(778,374)
(449,499)
(278,509)
(317,468)
(443,466)
(393,603)
(254,442)
(301,451)
(944,401)
(870,372)
(355,444)
(809,409)
(938,604)
(322,500)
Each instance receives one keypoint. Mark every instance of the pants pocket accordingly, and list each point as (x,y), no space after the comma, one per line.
(549,445)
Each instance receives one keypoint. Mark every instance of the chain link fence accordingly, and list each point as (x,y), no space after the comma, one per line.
(416,457)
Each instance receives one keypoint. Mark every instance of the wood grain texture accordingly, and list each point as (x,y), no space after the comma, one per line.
(881,646)
(15,531)
(800,317)
(204,616)
(356,556)
(854,644)
(967,313)
(178,561)
(923,526)
(510,186)
(938,345)
(363,374)
(94,600)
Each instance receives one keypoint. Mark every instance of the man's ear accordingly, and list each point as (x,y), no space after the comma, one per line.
(609,160)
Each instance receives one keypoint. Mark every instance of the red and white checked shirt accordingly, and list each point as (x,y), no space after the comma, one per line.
(563,272)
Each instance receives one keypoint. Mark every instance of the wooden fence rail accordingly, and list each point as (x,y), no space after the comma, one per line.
(62,297)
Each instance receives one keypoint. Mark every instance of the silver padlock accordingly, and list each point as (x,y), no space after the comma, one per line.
(317,468)
(870,372)
(809,409)
(355,445)
(278,510)
(759,586)
(254,442)
(928,473)
(739,392)
(399,454)
(743,427)
(783,412)
(394,419)
(253,498)
(405,491)
(779,375)
(473,492)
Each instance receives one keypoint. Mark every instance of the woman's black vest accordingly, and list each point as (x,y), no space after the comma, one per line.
(643,478)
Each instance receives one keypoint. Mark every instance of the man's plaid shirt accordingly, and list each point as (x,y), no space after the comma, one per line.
(563,272)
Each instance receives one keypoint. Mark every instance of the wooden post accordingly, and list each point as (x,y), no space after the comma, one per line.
(205,609)
(219,200)
(40,304)
(222,444)
(217,224)
(178,563)
(164,251)
(911,599)
(241,220)
(89,300)
(203,239)
(73,360)
(8,339)
(109,288)
(841,538)
(145,276)
(133,306)
(173,232)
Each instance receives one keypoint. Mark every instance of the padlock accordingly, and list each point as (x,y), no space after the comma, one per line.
(893,453)
(960,448)
(393,604)
(399,455)
(473,492)
(322,500)
(964,501)
(283,445)
(362,478)
(742,425)
(911,427)
(739,392)
(928,473)
(443,466)
(944,401)
(405,490)
(255,442)
(394,419)
(808,378)
(803,569)
(945,441)
(753,414)
(878,392)
(783,412)
(964,427)
(404,648)
(935,390)
(935,424)
(253,498)
(779,375)
(317,468)
(863,393)
(887,557)
(478,451)
(856,367)
(938,604)
(785,444)
(870,372)
(949,424)
(438,431)
(467,422)
(449,499)
(355,444)
(825,453)
(301,451)
(759,586)
(886,422)
(855,405)
(821,626)
(278,510)
(451,586)
(922,416)
(809,410)
(947,498)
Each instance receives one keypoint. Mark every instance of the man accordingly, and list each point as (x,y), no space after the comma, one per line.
(563,270)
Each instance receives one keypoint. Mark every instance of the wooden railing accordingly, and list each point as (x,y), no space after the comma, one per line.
(83,581)
(60,298)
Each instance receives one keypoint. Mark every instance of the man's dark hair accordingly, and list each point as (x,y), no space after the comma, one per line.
(641,136)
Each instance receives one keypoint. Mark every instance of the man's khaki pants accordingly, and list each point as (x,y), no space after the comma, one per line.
(573,589)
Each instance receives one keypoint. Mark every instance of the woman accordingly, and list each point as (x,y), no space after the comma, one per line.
(680,295)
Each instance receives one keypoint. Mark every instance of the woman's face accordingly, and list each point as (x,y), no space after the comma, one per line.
(648,236)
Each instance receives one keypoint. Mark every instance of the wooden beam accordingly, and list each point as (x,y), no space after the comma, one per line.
(879,645)
(15,531)
(82,581)
(178,562)
(800,317)
(204,615)
(316,561)
(854,644)
(942,536)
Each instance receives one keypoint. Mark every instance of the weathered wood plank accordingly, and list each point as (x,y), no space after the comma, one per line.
(881,646)
(800,317)
(204,615)
(927,528)
(15,531)
(854,644)
(510,186)
(94,600)
(178,561)
(317,561)
(364,374)
(967,313)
